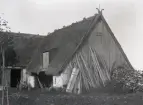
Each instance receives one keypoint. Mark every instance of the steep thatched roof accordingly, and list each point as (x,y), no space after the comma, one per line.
(62,44)
(24,45)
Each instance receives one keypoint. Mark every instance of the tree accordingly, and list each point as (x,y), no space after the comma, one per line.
(6,44)
(4,25)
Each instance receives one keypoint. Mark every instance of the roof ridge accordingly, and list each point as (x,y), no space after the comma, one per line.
(72,24)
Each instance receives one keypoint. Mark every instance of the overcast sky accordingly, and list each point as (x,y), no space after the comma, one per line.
(125,18)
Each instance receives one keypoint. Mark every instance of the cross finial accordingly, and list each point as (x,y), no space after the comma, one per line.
(99,10)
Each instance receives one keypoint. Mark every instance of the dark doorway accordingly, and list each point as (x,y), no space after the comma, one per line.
(37,85)
(46,80)
(15,77)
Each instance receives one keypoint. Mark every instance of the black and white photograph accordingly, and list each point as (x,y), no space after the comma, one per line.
(71,52)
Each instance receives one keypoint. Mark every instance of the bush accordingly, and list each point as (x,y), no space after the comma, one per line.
(129,80)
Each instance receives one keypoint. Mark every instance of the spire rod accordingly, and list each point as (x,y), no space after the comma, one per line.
(99,7)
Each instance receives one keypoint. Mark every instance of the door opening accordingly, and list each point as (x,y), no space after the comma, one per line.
(15,77)
(46,80)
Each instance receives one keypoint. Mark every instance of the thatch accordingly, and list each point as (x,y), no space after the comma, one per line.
(61,43)
(69,40)
(24,45)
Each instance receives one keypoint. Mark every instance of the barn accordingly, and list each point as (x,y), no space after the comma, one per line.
(80,57)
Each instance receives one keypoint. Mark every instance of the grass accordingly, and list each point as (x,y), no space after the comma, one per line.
(38,97)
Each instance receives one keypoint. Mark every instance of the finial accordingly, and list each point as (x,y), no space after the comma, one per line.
(99,10)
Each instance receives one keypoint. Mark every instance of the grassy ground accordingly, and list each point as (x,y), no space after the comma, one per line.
(36,97)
